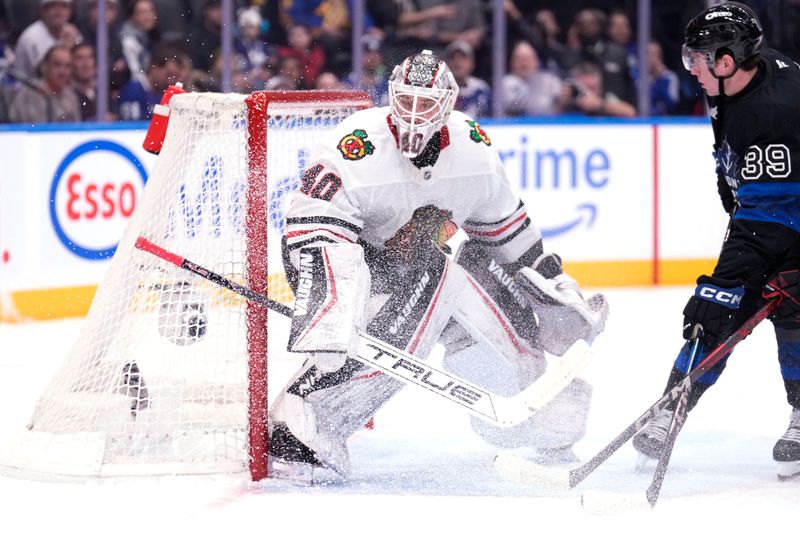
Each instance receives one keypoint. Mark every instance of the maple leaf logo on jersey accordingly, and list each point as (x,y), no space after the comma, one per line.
(477,134)
(355,146)
(727,164)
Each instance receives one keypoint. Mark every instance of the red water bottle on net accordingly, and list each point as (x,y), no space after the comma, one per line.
(154,139)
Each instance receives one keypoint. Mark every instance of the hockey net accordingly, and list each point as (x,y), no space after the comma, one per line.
(169,374)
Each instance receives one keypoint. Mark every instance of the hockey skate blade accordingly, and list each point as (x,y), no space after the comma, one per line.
(515,468)
(602,503)
(788,470)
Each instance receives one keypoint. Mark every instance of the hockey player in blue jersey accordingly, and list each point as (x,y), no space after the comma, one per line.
(754,102)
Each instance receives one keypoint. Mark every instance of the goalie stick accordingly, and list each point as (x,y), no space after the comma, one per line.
(402,366)
(516,468)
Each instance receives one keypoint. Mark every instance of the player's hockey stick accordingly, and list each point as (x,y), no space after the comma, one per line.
(605,502)
(675,426)
(498,410)
(517,468)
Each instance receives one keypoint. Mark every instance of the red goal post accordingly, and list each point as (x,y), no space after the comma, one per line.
(169,374)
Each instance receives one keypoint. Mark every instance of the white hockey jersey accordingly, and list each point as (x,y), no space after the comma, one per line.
(358,185)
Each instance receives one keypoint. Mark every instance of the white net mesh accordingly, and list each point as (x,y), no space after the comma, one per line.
(159,376)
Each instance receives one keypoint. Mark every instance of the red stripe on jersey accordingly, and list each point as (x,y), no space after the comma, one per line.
(334,297)
(369,376)
(499,316)
(300,233)
(427,318)
(496,232)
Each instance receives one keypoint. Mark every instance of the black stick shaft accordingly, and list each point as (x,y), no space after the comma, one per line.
(147,246)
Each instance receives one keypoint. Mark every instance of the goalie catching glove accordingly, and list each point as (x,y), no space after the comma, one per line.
(564,315)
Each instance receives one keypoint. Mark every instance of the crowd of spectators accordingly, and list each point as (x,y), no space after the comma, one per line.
(563,56)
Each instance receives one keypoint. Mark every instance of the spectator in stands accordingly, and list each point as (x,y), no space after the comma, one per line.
(474,94)
(87,24)
(170,64)
(84,79)
(241,81)
(468,24)
(205,38)
(250,45)
(137,35)
(20,14)
(620,32)
(374,76)
(528,89)
(174,18)
(542,31)
(49,98)
(410,29)
(273,29)
(328,21)
(328,81)
(309,54)
(584,93)
(611,58)
(288,77)
(119,73)
(664,83)
(52,27)
(6,51)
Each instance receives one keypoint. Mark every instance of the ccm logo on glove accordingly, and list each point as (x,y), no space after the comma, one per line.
(730,298)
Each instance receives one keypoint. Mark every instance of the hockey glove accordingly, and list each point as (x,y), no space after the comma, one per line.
(564,316)
(787,284)
(714,307)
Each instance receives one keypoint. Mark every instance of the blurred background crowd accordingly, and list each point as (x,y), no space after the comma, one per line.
(561,56)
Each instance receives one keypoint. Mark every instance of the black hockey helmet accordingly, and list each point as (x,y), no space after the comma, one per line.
(731,27)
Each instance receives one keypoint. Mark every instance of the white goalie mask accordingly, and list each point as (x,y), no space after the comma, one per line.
(422,92)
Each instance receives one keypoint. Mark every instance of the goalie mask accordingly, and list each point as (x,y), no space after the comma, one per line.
(422,92)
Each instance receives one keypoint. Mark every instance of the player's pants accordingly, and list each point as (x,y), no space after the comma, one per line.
(788,359)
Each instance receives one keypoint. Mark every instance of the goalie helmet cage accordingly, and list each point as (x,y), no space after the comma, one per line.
(169,374)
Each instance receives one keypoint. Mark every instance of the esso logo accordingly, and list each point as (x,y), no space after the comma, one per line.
(93,196)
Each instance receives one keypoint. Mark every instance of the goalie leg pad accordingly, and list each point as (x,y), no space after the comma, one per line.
(331,295)
(558,426)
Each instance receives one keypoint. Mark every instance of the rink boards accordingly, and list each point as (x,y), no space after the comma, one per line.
(626,203)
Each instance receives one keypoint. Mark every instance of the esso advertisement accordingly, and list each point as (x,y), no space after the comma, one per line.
(582,185)
(93,195)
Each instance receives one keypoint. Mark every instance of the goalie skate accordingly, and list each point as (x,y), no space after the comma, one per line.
(293,461)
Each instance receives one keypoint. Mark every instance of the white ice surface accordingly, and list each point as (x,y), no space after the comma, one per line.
(423,468)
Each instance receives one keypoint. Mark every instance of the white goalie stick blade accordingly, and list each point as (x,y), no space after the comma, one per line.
(512,467)
(600,502)
(496,409)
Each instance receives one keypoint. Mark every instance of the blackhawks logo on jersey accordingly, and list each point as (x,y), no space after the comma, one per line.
(477,134)
(355,146)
